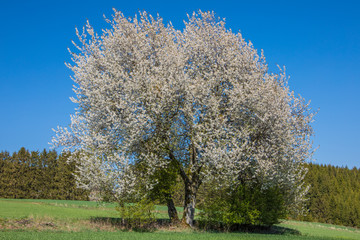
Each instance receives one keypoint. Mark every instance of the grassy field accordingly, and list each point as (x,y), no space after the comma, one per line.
(57,219)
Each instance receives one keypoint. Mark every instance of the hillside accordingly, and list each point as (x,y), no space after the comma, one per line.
(62,219)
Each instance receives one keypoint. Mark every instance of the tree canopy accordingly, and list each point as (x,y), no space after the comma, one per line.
(200,100)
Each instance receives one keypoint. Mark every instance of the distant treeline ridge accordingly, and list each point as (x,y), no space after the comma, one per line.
(34,175)
(334,195)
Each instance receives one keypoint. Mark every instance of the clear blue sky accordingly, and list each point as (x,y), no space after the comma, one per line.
(317,41)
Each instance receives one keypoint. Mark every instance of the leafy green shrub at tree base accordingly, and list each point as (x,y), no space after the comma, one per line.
(245,205)
(138,215)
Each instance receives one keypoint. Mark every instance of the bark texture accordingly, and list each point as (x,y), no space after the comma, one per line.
(173,215)
(189,204)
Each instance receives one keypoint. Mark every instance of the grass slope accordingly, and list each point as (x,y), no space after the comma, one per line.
(149,236)
(58,209)
(61,219)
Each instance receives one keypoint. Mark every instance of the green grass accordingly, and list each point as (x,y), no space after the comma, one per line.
(149,236)
(60,219)
(63,209)
(57,209)
(322,229)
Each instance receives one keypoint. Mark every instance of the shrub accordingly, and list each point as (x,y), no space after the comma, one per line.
(137,215)
(243,205)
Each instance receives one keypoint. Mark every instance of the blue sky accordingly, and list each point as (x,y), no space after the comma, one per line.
(317,41)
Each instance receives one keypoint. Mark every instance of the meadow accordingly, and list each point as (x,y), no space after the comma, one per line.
(63,219)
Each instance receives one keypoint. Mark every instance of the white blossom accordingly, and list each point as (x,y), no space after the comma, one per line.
(202,97)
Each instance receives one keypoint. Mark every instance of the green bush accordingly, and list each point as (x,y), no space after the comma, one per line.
(138,215)
(243,205)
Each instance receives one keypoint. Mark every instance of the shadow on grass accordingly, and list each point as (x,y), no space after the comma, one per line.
(151,226)
(245,228)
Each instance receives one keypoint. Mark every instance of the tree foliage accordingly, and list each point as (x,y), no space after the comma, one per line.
(334,196)
(201,99)
(246,204)
(34,175)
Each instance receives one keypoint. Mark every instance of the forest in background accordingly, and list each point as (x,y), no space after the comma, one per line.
(334,195)
(38,175)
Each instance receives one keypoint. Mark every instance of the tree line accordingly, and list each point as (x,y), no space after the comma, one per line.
(334,195)
(38,175)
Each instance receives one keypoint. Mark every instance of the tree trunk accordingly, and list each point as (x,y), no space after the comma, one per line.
(192,183)
(173,215)
(189,205)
